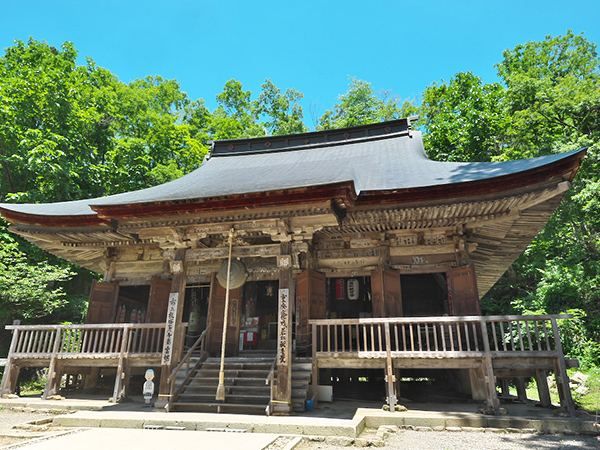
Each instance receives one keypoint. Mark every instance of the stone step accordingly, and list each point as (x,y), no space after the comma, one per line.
(216,407)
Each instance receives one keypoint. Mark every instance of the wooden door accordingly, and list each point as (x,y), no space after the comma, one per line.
(463,296)
(386,293)
(311,303)
(103,301)
(158,301)
(216,308)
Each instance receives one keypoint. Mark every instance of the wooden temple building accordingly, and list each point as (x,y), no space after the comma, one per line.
(352,256)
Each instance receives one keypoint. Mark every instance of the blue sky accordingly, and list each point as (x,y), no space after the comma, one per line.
(311,46)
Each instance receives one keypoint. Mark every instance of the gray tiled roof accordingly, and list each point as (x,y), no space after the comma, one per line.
(375,163)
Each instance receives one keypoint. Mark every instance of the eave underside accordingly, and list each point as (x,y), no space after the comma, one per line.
(497,231)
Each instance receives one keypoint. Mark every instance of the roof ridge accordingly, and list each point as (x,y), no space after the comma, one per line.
(322,138)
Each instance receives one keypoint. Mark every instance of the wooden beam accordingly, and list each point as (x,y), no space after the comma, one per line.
(263,251)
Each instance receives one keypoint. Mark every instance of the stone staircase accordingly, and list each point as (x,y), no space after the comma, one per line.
(301,374)
(246,390)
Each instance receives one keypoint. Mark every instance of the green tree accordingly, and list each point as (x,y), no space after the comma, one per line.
(151,142)
(552,96)
(51,130)
(28,290)
(553,92)
(464,119)
(360,105)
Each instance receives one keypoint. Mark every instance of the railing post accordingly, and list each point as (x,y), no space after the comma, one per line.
(389,368)
(52,369)
(9,366)
(488,371)
(315,365)
(562,379)
(120,371)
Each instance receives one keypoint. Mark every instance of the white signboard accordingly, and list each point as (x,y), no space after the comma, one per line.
(170,328)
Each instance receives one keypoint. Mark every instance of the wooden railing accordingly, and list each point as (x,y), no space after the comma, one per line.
(198,346)
(102,340)
(429,336)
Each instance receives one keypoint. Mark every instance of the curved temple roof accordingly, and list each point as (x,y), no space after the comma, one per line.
(373,158)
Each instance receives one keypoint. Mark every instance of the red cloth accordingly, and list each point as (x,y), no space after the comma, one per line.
(250,338)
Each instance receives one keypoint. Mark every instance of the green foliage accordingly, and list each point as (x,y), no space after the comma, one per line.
(28,290)
(553,92)
(464,120)
(552,95)
(360,106)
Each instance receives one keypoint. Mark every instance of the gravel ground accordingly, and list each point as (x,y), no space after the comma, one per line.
(443,440)
(10,419)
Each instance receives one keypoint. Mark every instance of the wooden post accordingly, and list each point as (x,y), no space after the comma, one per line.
(178,280)
(488,372)
(91,379)
(521,391)
(541,379)
(6,387)
(282,404)
(562,379)
(389,369)
(52,372)
(315,365)
(120,368)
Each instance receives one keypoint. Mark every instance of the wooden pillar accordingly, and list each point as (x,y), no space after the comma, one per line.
(505,392)
(541,381)
(488,371)
(521,391)
(91,379)
(52,371)
(6,387)
(562,379)
(389,370)
(118,391)
(173,347)
(478,387)
(282,403)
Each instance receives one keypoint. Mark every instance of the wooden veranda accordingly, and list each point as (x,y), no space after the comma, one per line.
(79,349)
(490,347)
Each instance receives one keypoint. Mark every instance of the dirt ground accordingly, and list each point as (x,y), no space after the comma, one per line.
(20,426)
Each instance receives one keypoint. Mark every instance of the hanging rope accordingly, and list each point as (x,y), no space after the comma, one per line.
(221,387)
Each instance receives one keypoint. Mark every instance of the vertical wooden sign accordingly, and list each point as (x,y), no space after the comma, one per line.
(282,338)
(170,328)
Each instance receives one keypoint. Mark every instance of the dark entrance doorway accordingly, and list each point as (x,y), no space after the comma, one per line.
(424,295)
(349,298)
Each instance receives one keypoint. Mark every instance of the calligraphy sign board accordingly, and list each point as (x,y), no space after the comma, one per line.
(170,328)
(282,335)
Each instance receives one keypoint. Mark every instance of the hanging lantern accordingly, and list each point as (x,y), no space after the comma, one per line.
(353,289)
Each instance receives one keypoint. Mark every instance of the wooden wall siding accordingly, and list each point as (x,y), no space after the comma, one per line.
(465,298)
(216,308)
(386,293)
(102,304)
(311,303)
(158,300)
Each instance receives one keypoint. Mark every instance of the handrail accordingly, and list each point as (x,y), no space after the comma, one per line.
(85,326)
(270,381)
(431,319)
(186,359)
(271,372)
(428,336)
(80,340)
(188,354)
